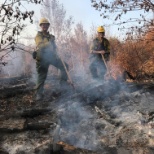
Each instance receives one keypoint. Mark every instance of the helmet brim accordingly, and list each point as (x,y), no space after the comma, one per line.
(44,23)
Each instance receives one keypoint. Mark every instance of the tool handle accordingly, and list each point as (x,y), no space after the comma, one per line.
(106,65)
(70,80)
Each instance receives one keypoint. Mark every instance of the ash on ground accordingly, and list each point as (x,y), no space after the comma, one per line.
(102,118)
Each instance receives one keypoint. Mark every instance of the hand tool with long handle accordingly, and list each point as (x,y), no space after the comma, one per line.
(108,70)
(68,75)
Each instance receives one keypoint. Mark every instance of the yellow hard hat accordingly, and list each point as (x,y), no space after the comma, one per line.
(100,29)
(43,21)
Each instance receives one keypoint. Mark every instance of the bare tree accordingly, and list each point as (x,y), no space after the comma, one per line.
(80,50)
(12,17)
(120,8)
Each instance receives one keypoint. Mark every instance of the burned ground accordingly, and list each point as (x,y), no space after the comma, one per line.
(108,118)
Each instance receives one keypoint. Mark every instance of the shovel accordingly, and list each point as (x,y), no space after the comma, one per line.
(68,75)
(108,70)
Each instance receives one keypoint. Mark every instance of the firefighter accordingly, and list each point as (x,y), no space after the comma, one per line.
(100,47)
(46,55)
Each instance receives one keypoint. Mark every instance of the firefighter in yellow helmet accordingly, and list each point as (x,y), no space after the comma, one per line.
(100,46)
(46,54)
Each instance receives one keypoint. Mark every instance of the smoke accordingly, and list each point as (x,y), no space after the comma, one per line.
(120,103)
(77,122)
(14,64)
(18,62)
(77,127)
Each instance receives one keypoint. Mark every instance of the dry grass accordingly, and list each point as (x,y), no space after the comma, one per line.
(135,57)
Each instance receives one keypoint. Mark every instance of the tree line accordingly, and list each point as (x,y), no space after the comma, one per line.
(133,55)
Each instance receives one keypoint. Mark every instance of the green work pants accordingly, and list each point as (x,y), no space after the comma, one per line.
(42,70)
(97,68)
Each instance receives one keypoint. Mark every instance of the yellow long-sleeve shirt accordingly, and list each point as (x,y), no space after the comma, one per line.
(44,42)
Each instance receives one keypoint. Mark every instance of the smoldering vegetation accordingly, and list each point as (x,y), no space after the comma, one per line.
(112,116)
